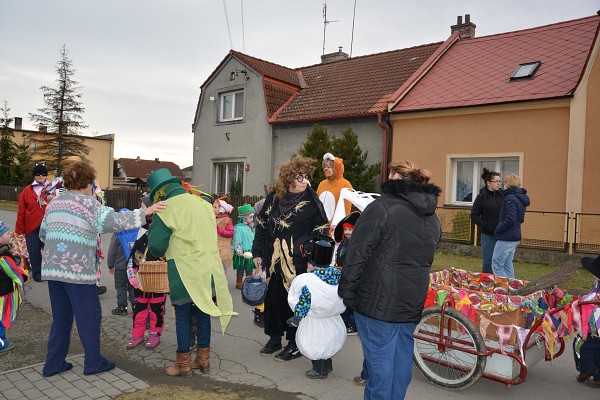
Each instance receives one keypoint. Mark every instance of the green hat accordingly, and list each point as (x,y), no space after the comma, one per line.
(245,210)
(158,179)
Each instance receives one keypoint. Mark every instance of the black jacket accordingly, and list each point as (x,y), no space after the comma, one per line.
(386,270)
(486,210)
(512,215)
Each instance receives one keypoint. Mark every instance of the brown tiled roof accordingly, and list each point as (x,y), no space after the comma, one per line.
(134,168)
(276,95)
(268,69)
(353,87)
(477,71)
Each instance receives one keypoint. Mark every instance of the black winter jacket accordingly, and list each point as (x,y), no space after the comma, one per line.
(512,215)
(386,270)
(486,210)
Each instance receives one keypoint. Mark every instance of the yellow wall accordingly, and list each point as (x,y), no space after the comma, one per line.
(591,174)
(101,155)
(538,134)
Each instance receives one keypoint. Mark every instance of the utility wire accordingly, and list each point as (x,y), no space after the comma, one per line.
(352,39)
(228,27)
(243,37)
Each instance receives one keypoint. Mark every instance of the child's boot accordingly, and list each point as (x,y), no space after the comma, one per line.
(239,282)
(153,340)
(135,342)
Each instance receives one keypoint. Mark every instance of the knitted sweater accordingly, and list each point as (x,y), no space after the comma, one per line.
(70,229)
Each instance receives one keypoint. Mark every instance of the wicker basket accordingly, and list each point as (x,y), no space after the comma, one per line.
(153,276)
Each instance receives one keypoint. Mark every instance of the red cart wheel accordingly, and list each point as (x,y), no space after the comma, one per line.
(448,352)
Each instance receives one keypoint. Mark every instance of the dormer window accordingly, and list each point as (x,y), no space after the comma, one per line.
(526,70)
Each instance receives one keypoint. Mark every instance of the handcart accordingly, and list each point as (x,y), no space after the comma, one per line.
(451,351)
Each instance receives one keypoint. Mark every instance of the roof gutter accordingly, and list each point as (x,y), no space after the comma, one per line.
(387,142)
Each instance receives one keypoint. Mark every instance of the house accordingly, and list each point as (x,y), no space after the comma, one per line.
(133,172)
(100,156)
(522,102)
(252,114)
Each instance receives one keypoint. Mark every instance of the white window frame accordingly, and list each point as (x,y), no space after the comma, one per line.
(234,94)
(240,169)
(452,167)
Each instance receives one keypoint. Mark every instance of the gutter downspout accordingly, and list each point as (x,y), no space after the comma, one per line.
(387,143)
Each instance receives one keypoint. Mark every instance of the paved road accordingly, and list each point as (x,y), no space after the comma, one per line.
(235,358)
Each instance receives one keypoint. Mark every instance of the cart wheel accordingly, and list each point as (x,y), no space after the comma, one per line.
(448,361)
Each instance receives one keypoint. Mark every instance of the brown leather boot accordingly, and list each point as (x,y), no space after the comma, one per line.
(238,283)
(201,361)
(182,367)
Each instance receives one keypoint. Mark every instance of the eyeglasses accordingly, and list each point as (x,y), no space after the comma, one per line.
(41,174)
(498,181)
(301,178)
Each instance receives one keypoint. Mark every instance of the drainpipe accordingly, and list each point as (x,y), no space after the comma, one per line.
(387,143)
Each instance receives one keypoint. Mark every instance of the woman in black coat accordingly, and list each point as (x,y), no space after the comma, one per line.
(485,214)
(291,215)
(386,275)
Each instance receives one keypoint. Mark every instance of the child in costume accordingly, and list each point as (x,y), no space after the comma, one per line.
(12,278)
(147,304)
(342,234)
(589,347)
(224,230)
(119,252)
(317,308)
(243,237)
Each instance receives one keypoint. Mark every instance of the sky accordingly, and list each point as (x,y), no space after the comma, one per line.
(140,63)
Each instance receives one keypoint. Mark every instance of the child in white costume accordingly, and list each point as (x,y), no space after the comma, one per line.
(317,308)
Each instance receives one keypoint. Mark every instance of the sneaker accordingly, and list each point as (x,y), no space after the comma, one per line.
(135,342)
(103,365)
(289,353)
(67,366)
(351,330)
(270,348)
(119,311)
(314,374)
(9,347)
(101,290)
(153,340)
(360,381)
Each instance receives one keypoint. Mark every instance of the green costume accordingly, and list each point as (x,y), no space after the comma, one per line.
(243,237)
(186,233)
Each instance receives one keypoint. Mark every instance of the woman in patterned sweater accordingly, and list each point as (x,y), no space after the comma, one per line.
(69,230)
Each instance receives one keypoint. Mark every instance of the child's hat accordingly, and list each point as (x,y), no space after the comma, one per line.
(224,207)
(338,233)
(245,210)
(322,251)
(3,228)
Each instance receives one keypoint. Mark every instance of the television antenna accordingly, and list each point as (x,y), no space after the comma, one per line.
(325,22)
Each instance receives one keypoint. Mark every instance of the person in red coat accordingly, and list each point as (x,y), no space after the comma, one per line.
(29,218)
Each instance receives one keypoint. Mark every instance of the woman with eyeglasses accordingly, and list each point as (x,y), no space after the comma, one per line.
(485,214)
(291,215)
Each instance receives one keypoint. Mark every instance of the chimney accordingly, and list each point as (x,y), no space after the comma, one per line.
(466,30)
(339,55)
(43,129)
(157,160)
(18,123)
(138,159)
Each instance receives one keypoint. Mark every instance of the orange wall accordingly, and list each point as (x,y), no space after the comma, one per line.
(540,134)
(591,175)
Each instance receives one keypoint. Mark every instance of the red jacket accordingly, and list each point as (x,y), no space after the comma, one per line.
(30,212)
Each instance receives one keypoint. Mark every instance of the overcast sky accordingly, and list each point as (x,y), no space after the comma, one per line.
(140,63)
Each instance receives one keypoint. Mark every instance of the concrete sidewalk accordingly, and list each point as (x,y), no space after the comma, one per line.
(235,359)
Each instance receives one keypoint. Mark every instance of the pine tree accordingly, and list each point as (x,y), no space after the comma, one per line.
(7,147)
(317,143)
(24,165)
(62,117)
(356,170)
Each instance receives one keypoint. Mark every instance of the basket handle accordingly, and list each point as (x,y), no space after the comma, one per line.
(145,252)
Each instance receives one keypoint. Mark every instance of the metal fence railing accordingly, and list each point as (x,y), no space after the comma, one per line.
(587,233)
(545,230)
(456,224)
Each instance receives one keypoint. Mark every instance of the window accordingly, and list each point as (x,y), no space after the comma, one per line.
(526,71)
(32,146)
(231,106)
(228,174)
(467,175)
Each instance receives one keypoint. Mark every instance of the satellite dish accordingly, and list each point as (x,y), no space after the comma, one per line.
(328,203)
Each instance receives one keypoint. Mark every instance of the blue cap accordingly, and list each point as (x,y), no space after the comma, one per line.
(3,228)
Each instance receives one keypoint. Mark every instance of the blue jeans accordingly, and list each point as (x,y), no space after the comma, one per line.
(183,314)
(502,260)
(487,250)
(388,349)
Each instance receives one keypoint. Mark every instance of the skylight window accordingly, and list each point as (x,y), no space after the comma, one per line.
(526,70)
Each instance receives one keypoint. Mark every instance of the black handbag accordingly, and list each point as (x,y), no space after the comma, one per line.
(254,291)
